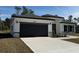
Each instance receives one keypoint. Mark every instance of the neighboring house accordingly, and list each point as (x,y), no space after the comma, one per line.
(46,25)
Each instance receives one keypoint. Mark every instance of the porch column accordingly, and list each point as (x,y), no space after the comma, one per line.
(16,29)
(50,29)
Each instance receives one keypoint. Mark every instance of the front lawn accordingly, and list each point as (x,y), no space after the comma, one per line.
(75,34)
(76,40)
(13,45)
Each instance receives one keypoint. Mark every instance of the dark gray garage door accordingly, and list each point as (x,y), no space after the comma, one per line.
(33,29)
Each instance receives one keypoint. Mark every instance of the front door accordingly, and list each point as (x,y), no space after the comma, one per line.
(54,29)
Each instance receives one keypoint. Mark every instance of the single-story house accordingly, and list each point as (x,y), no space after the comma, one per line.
(46,25)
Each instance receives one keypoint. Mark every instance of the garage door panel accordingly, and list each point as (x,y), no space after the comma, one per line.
(33,29)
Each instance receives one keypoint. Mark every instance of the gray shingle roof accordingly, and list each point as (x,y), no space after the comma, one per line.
(32,16)
(48,15)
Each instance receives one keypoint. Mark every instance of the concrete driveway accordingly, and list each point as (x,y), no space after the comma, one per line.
(50,45)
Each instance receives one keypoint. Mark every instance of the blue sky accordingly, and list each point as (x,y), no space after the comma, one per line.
(65,11)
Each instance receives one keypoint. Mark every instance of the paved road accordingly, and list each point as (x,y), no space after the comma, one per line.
(47,44)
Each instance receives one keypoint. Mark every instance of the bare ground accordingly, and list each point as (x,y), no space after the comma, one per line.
(8,44)
(76,40)
(13,45)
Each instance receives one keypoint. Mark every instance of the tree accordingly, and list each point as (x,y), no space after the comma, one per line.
(31,11)
(70,18)
(0,24)
(18,9)
(75,18)
(7,22)
(78,19)
(27,11)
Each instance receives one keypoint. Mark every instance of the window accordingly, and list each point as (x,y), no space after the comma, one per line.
(70,28)
(65,28)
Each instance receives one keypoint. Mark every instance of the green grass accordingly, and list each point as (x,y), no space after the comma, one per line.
(13,45)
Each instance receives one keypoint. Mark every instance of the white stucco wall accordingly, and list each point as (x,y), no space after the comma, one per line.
(16,24)
(62,27)
(50,29)
(16,27)
(33,20)
(59,26)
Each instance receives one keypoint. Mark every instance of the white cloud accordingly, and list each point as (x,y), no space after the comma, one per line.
(3,16)
(76,14)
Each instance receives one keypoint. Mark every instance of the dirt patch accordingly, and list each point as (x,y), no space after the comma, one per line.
(13,45)
(76,40)
(75,34)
